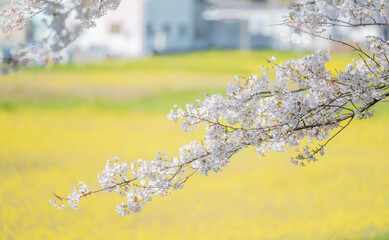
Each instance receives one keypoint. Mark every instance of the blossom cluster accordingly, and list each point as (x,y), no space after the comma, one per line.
(316,15)
(157,177)
(88,11)
(361,10)
(308,16)
(114,172)
(73,198)
(11,20)
(64,19)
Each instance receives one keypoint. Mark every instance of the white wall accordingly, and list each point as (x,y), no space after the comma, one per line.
(128,42)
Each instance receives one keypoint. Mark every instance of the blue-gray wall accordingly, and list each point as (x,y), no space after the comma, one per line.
(175,19)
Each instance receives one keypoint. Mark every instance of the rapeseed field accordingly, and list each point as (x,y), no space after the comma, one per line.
(59,125)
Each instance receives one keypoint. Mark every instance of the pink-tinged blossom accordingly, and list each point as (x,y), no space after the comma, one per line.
(11,19)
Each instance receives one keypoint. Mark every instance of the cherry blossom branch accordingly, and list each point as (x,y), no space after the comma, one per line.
(355,25)
(269,116)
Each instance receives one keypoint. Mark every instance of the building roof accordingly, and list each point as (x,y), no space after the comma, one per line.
(248,3)
(224,10)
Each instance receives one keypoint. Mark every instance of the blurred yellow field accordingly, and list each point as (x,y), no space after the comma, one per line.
(343,196)
(119,80)
(49,147)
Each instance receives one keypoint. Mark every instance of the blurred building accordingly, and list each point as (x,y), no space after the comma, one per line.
(243,25)
(174,25)
(118,34)
(142,27)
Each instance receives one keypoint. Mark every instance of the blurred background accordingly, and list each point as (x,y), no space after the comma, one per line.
(140,28)
(59,124)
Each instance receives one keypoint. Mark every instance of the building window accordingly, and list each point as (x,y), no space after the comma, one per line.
(199,31)
(182,31)
(149,29)
(116,28)
(166,29)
